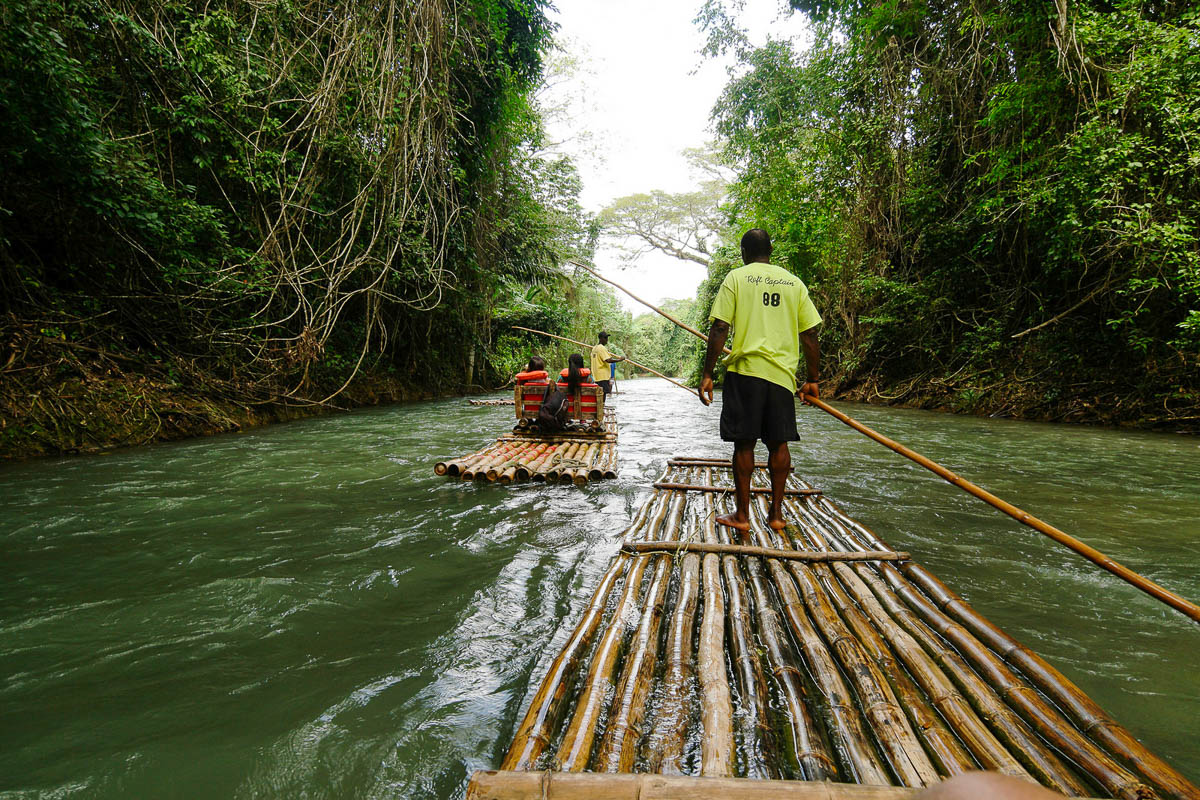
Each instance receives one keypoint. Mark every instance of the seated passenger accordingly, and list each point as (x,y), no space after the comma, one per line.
(575,364)
(535,372)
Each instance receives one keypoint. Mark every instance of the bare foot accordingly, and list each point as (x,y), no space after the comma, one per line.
(777,523)
(731,521)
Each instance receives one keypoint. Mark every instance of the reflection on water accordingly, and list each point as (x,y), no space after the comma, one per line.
(307,609)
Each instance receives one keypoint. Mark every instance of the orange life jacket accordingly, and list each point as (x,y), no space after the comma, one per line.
(585,372)
(537,375)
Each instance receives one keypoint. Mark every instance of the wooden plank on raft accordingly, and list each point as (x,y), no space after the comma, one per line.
(712,462)
(697,487)
(764,552)
(496,785)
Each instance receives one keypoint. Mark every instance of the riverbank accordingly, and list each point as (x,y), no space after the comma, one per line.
(999,395)
(64,398)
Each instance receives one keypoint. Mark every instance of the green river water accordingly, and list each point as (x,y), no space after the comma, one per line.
(305,610)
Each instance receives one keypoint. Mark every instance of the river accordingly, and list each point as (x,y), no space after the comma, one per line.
(306,610)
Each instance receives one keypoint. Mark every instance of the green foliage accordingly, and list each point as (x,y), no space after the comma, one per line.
(260,187)
(663,345)
(964,187)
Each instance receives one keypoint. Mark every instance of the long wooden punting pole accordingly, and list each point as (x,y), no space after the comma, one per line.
(1148,586)
(688,389)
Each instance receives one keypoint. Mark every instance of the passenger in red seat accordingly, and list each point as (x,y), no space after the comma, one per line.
(575,362)
(535,372)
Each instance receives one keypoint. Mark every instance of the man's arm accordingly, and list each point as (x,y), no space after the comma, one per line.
(812,362)
(717,333)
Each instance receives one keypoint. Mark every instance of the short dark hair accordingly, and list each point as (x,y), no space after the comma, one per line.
(756,243)
(602,335)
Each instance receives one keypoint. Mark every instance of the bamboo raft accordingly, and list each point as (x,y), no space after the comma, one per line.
(569,457)
(807,660)
(501,401)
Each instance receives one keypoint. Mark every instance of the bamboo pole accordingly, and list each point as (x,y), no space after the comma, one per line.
(533,734)
(878,703)
(685,326)
(455,467)
(633,363)
(697,487)
(1007,725)
(716,744)
(950,756)
(665,743)
(942,694)
(844,722)
(805,745)
(575,750)
(1148,586)
(1084,711)
(1042,716)
(1181,604)
(758,744)
(618,744)
(688,461)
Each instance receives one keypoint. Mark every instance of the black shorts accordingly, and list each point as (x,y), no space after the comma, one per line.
(606,386)
(753,408)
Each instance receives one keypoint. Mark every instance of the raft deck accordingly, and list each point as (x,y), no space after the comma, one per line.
(570,457)
(826,656)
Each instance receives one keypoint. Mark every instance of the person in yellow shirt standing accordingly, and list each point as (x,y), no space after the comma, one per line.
(772,318)
(601,358)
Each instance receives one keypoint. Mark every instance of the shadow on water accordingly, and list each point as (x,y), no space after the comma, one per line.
(307,610)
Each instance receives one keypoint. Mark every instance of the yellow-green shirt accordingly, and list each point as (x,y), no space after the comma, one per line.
(600,356)
(768,308)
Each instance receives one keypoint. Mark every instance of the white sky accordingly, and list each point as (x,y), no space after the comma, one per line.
(644,94)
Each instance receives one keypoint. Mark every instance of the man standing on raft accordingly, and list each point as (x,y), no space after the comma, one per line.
(601,358)
(772,317)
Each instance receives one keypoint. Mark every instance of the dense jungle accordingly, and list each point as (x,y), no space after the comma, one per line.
(251,211)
